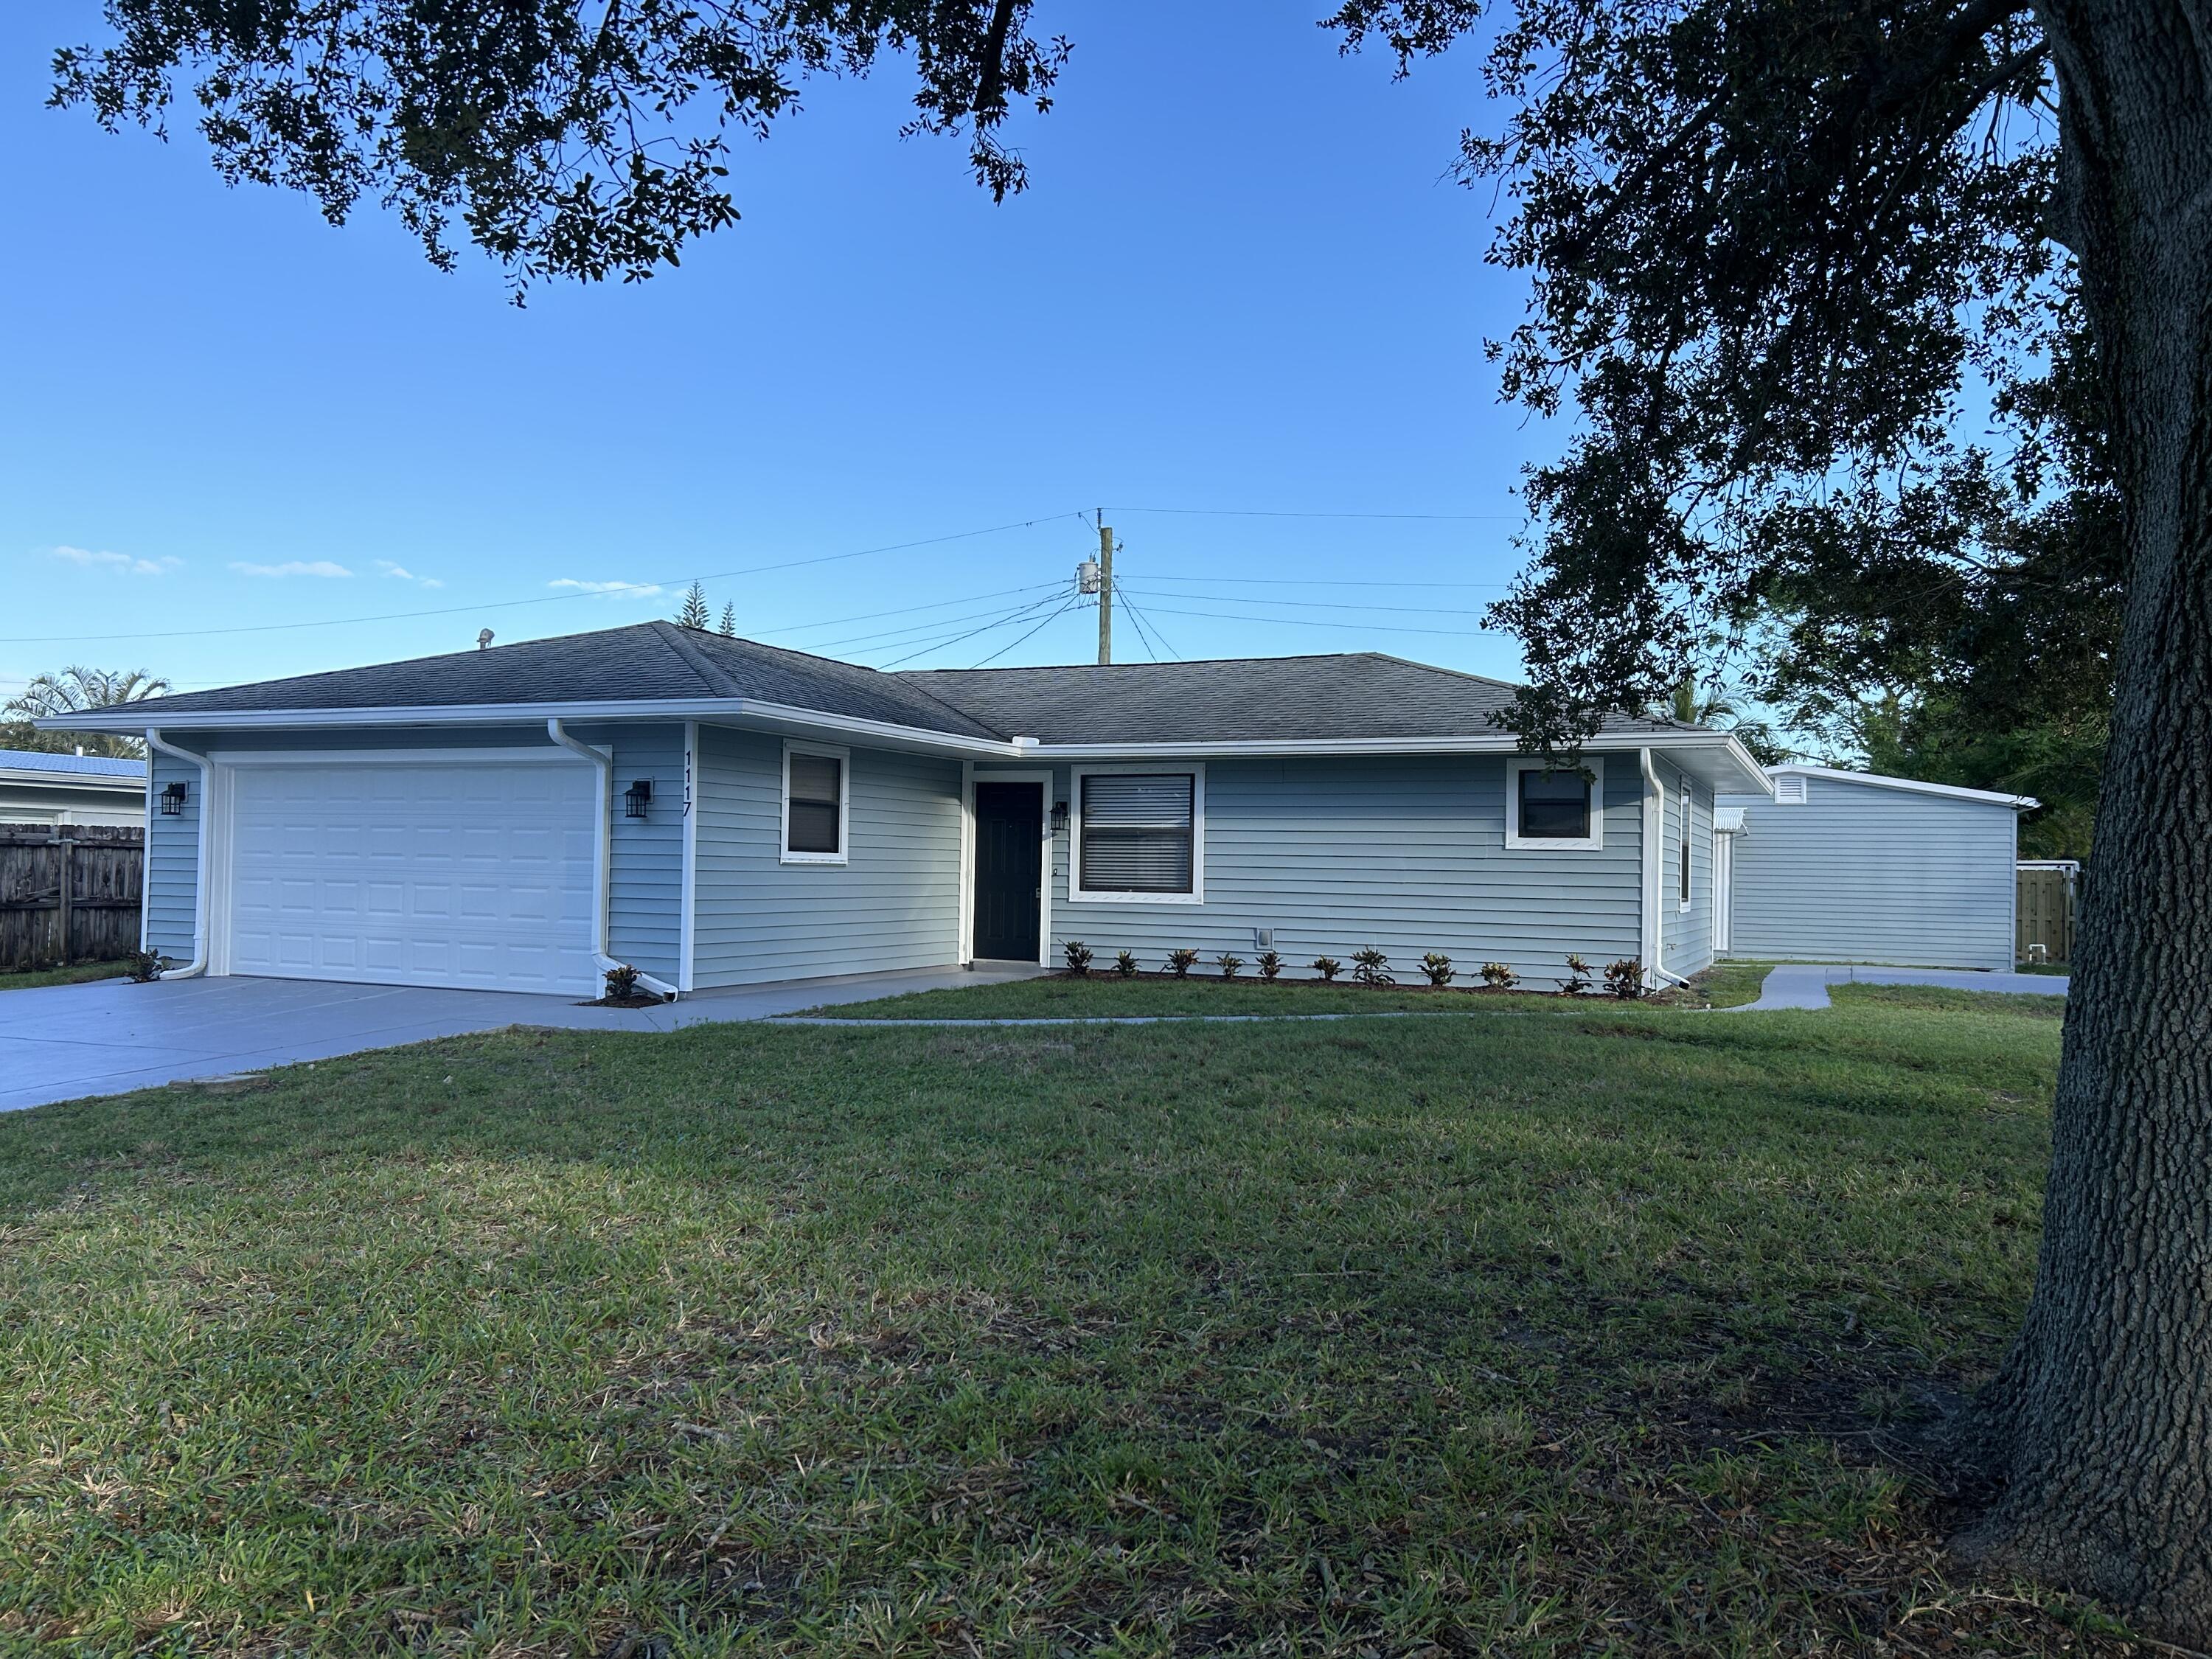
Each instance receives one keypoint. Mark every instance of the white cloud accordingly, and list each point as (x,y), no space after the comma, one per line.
(610,590)
(124,562)
(291,567)
(385,568)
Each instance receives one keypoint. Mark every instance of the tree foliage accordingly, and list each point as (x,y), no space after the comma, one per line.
(74,690)
(579,138)
(1784,260)
(692,611)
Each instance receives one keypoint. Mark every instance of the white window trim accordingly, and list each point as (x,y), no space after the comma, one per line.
(1514,840)
(1044,780)
(1078,894)
(844,759)
(1685,875)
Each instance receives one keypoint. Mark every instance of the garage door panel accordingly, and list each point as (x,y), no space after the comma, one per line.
(453,874)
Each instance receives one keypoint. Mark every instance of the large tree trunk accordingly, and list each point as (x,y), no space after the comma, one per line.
(2103,1410)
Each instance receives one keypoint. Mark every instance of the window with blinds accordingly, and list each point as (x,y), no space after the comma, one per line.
(1139,832)
(814,805)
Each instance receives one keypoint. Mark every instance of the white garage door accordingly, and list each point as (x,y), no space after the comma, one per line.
(458,873)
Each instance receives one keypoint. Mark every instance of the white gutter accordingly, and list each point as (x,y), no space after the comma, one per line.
(199,963)
(603,857)
(1651,923)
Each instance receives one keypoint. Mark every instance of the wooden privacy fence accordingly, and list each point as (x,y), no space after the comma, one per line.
(69,892)
(2044,913)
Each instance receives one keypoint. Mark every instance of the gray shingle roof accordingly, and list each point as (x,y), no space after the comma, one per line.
(83,766)
(644,662)
(1228,700)
(1354,695)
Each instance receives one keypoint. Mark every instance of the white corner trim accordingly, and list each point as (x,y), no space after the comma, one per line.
(1594,841)
(963,920)
(156,743)
(844,759)
(686,966)
(1077,893)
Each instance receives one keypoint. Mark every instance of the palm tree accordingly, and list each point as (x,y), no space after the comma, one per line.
(74,690)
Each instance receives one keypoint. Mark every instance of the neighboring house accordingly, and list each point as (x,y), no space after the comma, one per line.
(36,787)
(1848,866)
(719,813)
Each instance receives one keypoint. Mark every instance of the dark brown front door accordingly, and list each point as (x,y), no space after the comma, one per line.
(1009,869)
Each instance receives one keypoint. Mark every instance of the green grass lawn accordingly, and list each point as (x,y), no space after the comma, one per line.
(2061,968)
(1730,984)
(76,974)
(1609,1332)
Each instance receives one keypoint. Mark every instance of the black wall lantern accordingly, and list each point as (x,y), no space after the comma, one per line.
(637,798)
(172,800)
(1059,815)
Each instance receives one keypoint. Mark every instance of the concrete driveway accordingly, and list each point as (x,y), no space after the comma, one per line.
(1805,984)
(61,1042)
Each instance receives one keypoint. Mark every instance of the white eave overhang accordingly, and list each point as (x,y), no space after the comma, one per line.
(1714,758)
(1910,786)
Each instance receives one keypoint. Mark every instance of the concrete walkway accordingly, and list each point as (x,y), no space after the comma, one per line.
(1805,984)
(62,1041)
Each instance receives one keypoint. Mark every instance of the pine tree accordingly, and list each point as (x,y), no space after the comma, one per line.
(729,626)
(693,612)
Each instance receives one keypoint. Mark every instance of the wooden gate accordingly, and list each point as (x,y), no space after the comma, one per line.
(69,893)
(2044,913)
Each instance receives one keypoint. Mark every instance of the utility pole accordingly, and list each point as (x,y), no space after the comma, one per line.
(1105,589)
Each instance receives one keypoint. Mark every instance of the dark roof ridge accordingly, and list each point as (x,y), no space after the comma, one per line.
(849,667)
(671,634)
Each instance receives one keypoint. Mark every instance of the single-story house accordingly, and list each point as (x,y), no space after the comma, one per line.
(719,812)
(1850,867)
(36,787)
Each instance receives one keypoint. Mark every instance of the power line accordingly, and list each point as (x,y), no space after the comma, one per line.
(888,637)
(1301,621)
(1256,513)
(910,610)
(1031,635)
(1150,631)
(543,599)
(1334,604)
(1023,614)
(1316,581)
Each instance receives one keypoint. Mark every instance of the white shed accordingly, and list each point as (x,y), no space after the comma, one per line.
(1849,867)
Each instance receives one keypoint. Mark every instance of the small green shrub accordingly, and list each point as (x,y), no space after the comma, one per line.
(1439,967)
(1229,966)
(1079,957)
(1578,975)
(1625,978)
(622,982)
(1498,976)
(1371,967)
(1179,963)
(144,966)
(1269,964)
(1125,964)
(1327,967)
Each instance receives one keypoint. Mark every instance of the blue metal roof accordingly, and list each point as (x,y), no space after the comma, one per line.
(32,760)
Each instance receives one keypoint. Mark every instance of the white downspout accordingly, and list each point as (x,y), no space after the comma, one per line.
(199,963)
(1651,926)
(603,858)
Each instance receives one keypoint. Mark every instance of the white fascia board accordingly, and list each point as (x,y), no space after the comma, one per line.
(1955,791)
(1715,746)
(732,711)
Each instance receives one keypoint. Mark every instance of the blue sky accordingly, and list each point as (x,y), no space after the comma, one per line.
(1241,285)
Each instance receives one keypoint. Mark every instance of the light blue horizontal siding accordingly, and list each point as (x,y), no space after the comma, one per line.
(645,864)
(172,853)
(1405,853)
(645,867)
(1864,873)
(895,904)
(1688,933)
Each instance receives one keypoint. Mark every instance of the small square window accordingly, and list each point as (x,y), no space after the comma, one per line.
(1558,809)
